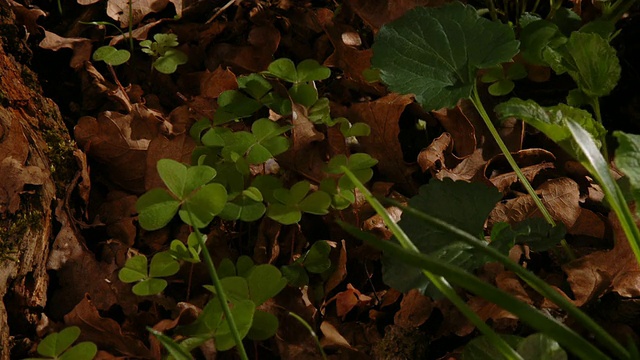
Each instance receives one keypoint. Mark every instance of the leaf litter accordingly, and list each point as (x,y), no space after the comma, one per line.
(125,130)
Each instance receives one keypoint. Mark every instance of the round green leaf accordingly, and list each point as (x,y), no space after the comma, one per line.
(284,69)
(242,313)
(244,264)
(311,70)
(283,214)
(163,264)
(264,326)
(265,281)
(103,52)
(303,94)
(541,347)
(236,288)
(502,87)
(111,55)
(85,350)
(54,344)
(197,176)
(317,260)
(299,190)
(296,275)
(204,205)
(317,203)
(258,154)
(135,269)
(150,286)
(435,53)
(156,208)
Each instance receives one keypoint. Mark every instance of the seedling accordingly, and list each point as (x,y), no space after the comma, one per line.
(57,346)
(166,57)
(148,282)
(111,55)
(501,80)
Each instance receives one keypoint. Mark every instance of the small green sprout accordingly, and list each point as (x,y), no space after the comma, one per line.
(166,57)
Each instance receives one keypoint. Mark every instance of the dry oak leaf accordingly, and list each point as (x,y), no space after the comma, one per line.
(212,84)
(382,116)
(457,123)
(560,196)
(81,47)
(433,156)
(104,332)
(349,299)
(615,270)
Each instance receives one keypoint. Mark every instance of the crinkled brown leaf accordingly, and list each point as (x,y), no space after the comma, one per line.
(118,10)
(433,156)
(382,116)
(600,272)
(560,196)
(462,131)
(415,310)
(81,47)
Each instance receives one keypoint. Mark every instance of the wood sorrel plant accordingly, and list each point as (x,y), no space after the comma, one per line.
(220,184)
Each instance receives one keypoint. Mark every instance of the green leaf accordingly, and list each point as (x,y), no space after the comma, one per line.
(162,265)
(316,203)
(295,274)
(242,313)
(197,176)
(54,344)
(284,69)
(174,175)
(482,348)
(226,268)
(501,88)
(135,269)
(303,94)
(267,184)
(235,287)
(537,37)
(150,286)
(243,208)
(255,85)
(541,347)
(174,349)
(627,159)
(592,63)
(156,208)
(286,215)
(111,55)
(317,259)
(85,350)
(234,105)
(244,264)
(493,74)
(435,53)
(298,191)
(264,326)
(204,205)
(552,120)
(311,70)
(358,129)
(168,63)
(464,205)
(265,281)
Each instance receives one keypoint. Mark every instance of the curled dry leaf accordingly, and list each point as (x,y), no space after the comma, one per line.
(463,134)
(27,17)
(104,332)
(332,336)
(600,272)
(433,156)
(349,299)
(415,310)
(382,116)
(531,162)
(81,47)
(560,196)
(470,168)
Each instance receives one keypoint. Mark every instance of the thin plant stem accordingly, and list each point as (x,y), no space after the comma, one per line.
(475,99)
(313,333)
(595,104)
(222,297)
(533,281)
(492,10)
(131,25)
(438,281)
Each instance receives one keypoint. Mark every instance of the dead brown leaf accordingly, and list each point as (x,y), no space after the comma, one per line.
(462,132)
(255,57)
(81,47)
(118,10)
(530,161)
(348,299)
(415,310)
(560,196)
(104,332)
(614,270)
(332,336)
(382,116)
(212,84)
(433,156)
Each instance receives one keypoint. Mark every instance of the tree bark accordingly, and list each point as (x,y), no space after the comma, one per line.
(32,135)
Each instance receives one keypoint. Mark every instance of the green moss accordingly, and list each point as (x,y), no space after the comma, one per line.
(15,226)
(63,163)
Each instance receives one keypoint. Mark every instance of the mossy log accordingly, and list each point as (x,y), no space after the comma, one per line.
(31,130)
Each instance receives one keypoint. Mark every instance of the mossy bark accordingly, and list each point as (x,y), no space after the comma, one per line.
(27,187)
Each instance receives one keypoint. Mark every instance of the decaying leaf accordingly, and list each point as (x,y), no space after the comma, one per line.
(81,47)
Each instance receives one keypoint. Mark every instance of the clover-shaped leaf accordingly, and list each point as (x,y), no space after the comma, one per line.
(156,208)
(265,281)
(168,63)
(317,258)
(233,104)
(440,68)
(360,165)
(56,346)
(263,327)
(111,55)
(200,208)
(307,70)
(135,270)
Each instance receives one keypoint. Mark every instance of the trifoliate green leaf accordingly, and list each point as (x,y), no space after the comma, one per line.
(156,208)
(311,70)
(135,269)
(85,350)
(435,53)
(163,264)
(264,326)
(151,286)
(55,344)
(204,205)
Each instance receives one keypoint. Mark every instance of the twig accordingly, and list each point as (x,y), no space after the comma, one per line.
(222,9)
